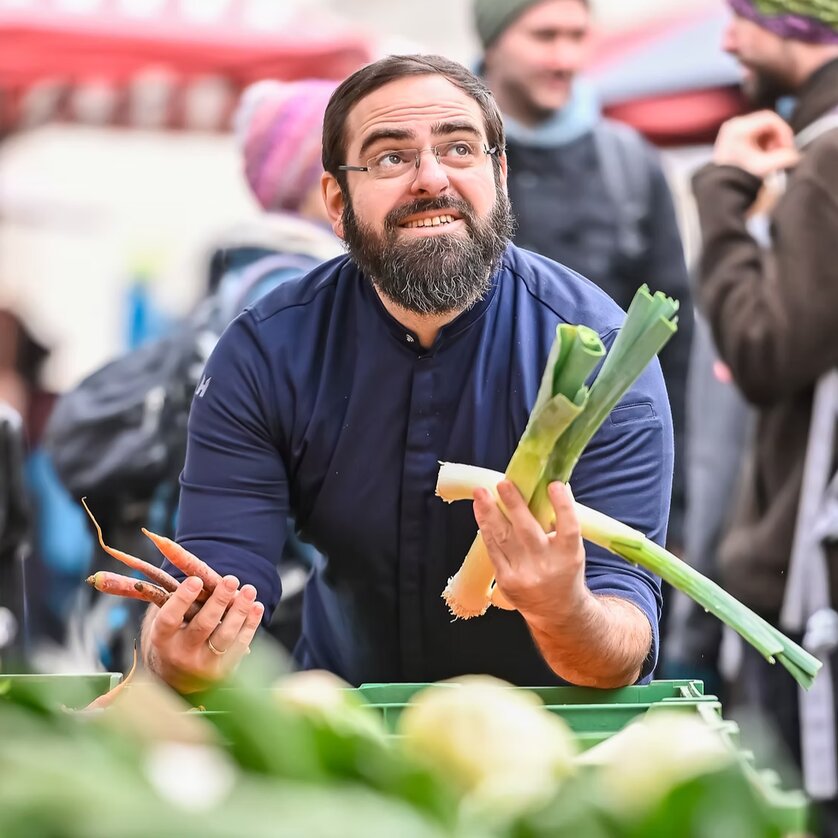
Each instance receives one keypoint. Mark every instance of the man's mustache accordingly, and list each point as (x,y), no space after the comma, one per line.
(397,216)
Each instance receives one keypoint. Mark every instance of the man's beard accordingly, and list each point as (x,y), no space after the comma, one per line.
(762,89)
(435,274)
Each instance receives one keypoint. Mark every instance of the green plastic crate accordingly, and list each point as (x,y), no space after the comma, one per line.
(74,691)
(595,715)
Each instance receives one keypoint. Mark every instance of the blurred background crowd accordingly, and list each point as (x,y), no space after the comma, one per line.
(159,170)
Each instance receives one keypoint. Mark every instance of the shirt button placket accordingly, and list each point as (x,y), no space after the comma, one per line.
(418,474)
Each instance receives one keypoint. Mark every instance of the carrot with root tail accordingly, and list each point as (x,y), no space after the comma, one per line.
(182,559)
(157,575)
(111,695)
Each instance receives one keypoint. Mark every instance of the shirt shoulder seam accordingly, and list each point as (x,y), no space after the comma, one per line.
(604,333)
(292,304)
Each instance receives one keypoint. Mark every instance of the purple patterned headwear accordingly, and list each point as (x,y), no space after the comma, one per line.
(812,21)
(279,126)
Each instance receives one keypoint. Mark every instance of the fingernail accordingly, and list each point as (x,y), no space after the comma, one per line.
(259,609)
(248,592)
(231,583)
(193,584)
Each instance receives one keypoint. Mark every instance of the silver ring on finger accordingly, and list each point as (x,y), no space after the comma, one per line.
(215,651)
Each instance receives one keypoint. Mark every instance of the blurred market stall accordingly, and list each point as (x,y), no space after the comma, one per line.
(117,171)
(159,63)
(668,77)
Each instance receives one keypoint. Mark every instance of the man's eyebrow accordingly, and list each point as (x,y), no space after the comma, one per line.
(455,127)
(385,134)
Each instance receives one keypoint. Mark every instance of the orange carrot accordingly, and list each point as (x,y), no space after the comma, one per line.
(125,586)
(182,559)
(156,574)
(111,695)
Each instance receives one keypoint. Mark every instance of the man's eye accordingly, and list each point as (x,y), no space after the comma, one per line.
(390,160)
(462,150)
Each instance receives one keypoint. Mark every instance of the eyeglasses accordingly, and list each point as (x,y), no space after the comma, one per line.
(455,154)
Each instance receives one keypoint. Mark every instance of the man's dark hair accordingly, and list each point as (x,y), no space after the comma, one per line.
(376,75)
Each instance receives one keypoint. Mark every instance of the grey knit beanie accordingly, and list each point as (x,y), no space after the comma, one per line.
(491,17)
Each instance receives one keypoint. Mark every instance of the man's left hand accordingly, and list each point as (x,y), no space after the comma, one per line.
(540,574)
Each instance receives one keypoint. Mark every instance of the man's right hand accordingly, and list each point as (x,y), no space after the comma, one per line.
(190,656)
(759,143)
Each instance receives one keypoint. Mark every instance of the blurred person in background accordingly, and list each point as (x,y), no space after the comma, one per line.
(587,192)
(99,450)
(773,310)
(277,127)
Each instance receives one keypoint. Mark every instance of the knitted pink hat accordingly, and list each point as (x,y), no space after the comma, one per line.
(279,126)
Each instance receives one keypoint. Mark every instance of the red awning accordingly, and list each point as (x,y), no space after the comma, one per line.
(670,78)
(157,63)
(686,118)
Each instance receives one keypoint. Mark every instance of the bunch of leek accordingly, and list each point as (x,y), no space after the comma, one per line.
(565,417)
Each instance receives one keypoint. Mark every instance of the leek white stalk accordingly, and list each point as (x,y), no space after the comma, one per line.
(458,482)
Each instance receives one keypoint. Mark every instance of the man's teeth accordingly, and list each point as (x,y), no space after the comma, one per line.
(431,222)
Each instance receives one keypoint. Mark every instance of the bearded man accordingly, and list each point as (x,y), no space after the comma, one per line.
(773,309)
(335,397)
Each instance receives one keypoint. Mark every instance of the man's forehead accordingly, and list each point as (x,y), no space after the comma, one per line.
(414,102)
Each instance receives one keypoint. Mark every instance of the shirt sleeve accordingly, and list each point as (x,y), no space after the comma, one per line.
(626,473)
(234,496)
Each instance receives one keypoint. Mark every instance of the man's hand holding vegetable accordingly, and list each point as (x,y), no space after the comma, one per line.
(589,640)
(190,655)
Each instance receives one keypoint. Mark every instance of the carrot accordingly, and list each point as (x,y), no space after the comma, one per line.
(111,695)
(125,586)
(155,574)
(182,559)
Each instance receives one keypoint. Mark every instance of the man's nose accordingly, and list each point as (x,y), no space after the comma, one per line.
(564,57)
(729,37)
(430,178)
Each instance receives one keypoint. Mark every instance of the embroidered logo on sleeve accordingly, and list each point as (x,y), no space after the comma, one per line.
(201,389)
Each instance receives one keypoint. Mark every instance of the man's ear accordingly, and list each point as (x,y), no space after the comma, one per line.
(334,202)
(503,168)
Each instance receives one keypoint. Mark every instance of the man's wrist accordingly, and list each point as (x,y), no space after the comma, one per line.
(572,614)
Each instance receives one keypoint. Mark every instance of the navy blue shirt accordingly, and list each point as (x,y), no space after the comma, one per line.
(316,402)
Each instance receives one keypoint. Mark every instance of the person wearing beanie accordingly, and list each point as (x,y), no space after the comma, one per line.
(773,309)
(586,192)
(278,127)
